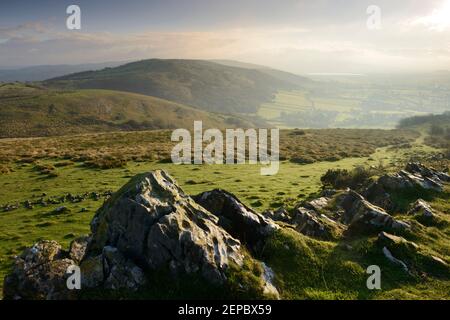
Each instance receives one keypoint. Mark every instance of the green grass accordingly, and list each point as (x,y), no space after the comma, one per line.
(32,110)
(305,268)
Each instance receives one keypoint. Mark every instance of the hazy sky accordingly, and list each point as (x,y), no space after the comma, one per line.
(320,36)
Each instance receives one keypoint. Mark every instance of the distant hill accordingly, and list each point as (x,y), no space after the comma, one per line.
(29,110)
(44,72)
(288,77)
(202,84)
(427,120)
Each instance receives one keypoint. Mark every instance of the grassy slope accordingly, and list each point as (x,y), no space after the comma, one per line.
(207,85)
(307,268)
(28,110)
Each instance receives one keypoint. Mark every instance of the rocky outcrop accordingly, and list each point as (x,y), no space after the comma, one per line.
(421,208)
(281,214)
(391,241)
(387,253)
(316,204)
(148,225)
(78,248)
(39,273)
(235,217)
(153,223)
(361,214)
(427,172)
(415,175)
(314,224)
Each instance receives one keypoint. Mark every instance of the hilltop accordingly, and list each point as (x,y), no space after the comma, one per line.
(31,110)
(203,84)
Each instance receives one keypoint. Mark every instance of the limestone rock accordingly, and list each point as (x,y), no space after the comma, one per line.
(317,204)
(313,224)
(360,213)
(281,214)
(391,241)
(422,208)
(394,260)
(153,223)
(268,277)
(433,174)
(78,248)
(235,217)
(39,273)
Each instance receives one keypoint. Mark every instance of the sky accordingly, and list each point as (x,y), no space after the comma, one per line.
(320,36)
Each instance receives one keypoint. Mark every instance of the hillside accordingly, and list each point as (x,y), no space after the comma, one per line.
(29,110)
(207,85)
(44,72)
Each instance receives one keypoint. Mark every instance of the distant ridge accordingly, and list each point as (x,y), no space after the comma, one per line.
(202,84)
(44,72)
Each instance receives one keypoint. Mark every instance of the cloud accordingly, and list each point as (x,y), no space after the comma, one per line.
(438,20)
(348,47)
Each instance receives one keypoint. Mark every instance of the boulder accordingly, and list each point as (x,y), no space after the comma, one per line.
(316,204)
(281,214)
(120,272)
(361,214)
(314,224)
(377,195)
(153,223)
(413,178)
(78,248)
(392,242)
(421,208)
(394,260)
(239,220)
(39,273)
(433,174)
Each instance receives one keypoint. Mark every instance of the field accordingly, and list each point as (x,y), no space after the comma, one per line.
(42,175)
(358,101)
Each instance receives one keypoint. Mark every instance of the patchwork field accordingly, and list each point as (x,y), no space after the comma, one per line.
(354,102)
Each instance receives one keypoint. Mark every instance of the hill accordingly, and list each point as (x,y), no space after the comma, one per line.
(30,110)
(436,128)
(44,72)
(203,84)
(430,120)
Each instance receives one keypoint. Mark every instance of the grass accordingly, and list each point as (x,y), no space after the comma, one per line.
(305,268)
(31,110)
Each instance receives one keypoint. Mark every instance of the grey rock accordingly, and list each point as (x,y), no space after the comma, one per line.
(235,217)
(39,273)
(78,248)
(394,260)
(119,272)
(313,224)
(281,214)
(154,223)
(268,277)
(391,241)
(422,208)
(359,213)
(316,204)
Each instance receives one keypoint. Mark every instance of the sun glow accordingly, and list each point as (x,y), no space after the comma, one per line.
(439,19)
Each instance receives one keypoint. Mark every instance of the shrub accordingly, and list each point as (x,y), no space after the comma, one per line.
(341,178)
(437,130)
(44,168)
(4,169)
(106,163)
